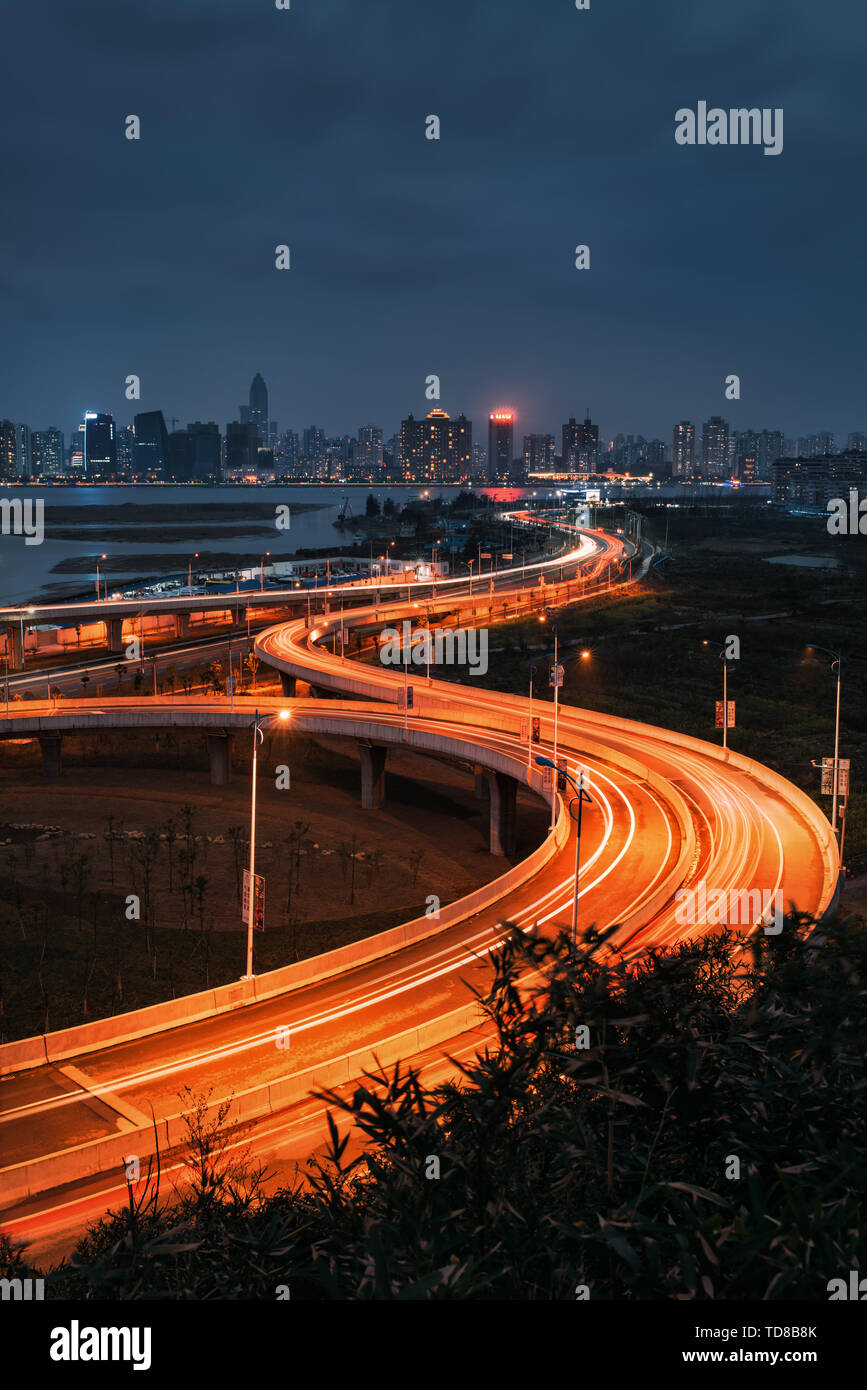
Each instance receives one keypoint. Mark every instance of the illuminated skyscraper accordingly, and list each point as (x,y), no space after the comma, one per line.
(580,445)
(436,449)
(23,451)
(100,448)
(715,448)
(313,445)
(7,449)
(538,453)
(683,450)
(501,445)
(48,452)
(125,450)
(367,451)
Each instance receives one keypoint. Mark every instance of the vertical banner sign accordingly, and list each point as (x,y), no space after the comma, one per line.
(827,776)
(537,730)
(843,776)
(259,905)
(561,774)
(731,714)
(730,722)
(555,676)
(525,730)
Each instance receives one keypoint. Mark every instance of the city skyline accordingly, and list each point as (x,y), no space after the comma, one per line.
(434,447)
(195,449)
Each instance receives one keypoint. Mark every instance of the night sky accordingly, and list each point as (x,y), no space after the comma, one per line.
(411,256)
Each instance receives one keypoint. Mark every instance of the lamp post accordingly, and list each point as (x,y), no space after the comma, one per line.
(581,797)
(405,691)
(533,665)
(102,557)
(837,668)
(258,737)
(544,619)
(190,572)
(470,563)
(725,662)
(428,640)
(262,572)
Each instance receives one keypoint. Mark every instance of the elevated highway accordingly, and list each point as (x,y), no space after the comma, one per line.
(667,812)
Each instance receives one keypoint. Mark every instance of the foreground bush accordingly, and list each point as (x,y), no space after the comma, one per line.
(690,1126)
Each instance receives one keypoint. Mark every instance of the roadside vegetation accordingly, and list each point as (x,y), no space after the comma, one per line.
(704,1138)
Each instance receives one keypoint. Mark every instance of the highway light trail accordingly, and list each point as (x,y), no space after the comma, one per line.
(667,811)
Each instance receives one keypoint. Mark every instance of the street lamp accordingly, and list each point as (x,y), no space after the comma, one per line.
(544,619)
(532,665)
(837,667)
(725,661)
(581,797)
(262,572)
(102,557)
(190,572)
(258,737)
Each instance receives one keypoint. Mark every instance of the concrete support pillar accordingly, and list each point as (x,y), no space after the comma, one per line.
(372,775)
(52,764)
(239,616)
(287,684)
(114,634)
(503,792)
(182,626)
(15,646)
(220,755)
(480,787)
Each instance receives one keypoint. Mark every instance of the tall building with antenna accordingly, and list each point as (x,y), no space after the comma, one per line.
(257,411)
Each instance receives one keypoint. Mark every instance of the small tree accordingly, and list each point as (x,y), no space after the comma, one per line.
(251,661)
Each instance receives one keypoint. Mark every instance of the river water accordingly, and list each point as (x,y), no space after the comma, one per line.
(153,545)
(29,573)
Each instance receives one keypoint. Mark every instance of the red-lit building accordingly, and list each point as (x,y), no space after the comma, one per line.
(501,445)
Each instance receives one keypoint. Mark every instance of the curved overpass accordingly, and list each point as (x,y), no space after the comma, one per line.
(668,811)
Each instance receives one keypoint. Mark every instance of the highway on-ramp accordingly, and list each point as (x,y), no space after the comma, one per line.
(667,812)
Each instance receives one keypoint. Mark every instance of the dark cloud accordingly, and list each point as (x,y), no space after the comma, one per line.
(411,256)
